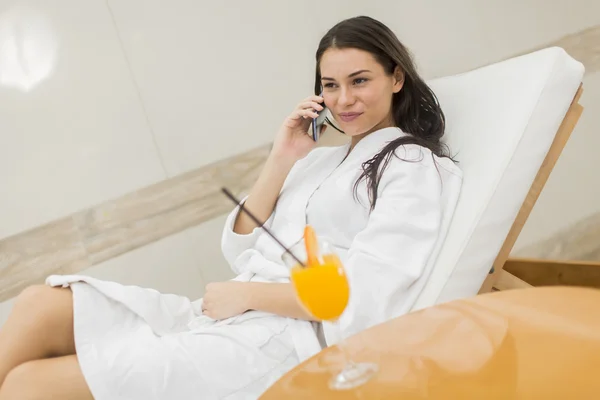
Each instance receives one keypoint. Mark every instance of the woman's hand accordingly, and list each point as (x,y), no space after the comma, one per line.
(226,299)
(292,142)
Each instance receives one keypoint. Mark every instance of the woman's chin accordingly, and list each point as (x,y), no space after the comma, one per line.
(351,129)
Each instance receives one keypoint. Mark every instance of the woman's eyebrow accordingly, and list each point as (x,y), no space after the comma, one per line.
(324,78)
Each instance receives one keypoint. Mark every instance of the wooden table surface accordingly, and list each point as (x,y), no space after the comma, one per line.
(537,343)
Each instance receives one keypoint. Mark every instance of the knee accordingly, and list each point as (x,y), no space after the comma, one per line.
(18,383)
(39,298)
(32,295)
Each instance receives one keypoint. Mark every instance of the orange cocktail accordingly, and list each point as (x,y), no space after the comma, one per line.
(322,288)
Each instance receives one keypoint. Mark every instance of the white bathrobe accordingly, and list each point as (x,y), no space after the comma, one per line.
(135,343)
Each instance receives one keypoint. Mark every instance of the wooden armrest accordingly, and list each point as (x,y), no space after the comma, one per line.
(555,272)
(507,281)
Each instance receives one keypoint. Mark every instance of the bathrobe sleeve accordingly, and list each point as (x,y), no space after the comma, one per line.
(390,254)
(234,244)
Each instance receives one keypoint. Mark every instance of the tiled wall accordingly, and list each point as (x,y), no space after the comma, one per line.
(101,98)
(74,131)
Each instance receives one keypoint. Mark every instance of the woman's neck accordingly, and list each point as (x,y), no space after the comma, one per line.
(386,123)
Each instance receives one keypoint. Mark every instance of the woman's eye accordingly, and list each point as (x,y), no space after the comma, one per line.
(359,81)
(329,85)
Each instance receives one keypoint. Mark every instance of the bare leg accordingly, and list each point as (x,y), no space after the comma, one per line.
(39,326)
(52,378)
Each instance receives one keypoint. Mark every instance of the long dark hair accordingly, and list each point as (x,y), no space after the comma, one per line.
(415,108)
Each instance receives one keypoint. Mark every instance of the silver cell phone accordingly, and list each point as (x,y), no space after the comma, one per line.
(318,122)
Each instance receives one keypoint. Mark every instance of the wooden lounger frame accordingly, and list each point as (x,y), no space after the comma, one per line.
(512,274)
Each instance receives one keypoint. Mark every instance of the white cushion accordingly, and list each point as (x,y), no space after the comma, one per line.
(501,121)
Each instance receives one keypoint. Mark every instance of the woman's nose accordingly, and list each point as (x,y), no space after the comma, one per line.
(346,98)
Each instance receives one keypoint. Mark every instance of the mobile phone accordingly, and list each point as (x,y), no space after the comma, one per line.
(318,122)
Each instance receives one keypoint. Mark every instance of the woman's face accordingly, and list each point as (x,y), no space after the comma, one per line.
(358,91)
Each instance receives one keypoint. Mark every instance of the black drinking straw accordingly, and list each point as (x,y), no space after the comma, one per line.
(257,222)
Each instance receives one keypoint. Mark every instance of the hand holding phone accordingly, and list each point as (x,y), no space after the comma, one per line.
(301,129)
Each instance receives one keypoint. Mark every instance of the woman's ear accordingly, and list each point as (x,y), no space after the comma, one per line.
(398,79)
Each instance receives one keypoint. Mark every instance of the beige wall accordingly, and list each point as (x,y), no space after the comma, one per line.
(98,99)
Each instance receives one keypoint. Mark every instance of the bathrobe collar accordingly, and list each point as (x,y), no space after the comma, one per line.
(373,143)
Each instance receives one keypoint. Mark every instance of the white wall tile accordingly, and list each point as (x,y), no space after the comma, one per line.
(72,129)
(519,25)
(218,79)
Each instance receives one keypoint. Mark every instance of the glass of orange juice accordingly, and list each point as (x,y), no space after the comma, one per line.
(323,290)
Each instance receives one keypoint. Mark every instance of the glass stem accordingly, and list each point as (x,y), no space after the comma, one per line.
(342,345)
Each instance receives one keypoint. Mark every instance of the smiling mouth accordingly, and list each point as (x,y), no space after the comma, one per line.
(348,117)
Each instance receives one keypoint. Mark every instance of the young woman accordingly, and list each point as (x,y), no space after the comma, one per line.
(385,201)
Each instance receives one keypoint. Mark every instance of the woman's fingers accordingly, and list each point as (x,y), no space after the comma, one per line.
(310,105)
(315,99)
(308,108)
(308,113)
